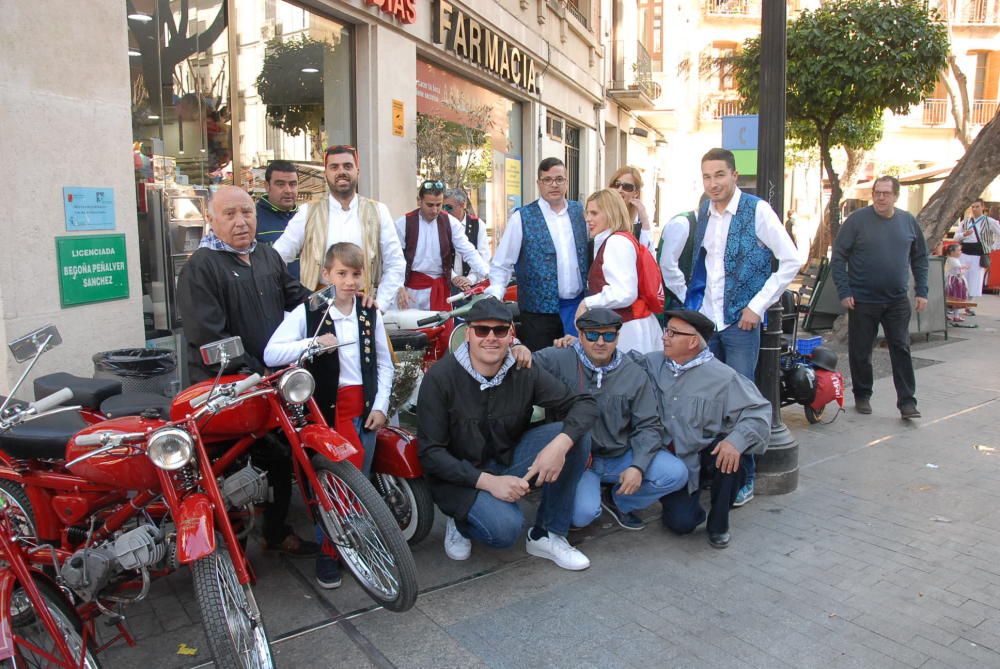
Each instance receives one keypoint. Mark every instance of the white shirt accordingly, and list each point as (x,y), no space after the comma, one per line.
(291,339)
(675,236)
(345,226)
(645,236)
(561,230)
(620,273)
(988,229)
(427,258)
(482,244)
(771,233)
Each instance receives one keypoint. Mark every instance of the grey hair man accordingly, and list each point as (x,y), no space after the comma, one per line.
(456,203)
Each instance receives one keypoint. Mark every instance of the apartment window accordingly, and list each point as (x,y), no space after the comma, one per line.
(573,161)
(721,52)
(651,27)
(581,10)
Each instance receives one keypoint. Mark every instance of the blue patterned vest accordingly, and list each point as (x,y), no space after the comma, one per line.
(537,275)
(747,262)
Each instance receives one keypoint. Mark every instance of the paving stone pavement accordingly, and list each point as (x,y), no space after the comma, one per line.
(885,556)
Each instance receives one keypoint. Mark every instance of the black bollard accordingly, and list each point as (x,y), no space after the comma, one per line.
(778,468)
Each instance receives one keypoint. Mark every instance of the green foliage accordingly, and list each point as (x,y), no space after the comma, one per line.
(294,98)
(459,153)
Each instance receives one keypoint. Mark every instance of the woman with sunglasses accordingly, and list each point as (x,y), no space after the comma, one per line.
(613,281)
(627,181)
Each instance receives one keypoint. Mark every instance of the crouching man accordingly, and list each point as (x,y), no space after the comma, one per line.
(715,418)
(479,456)
(629,468)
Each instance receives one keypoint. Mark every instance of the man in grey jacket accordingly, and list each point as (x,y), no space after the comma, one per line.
(627,440)
(715,418)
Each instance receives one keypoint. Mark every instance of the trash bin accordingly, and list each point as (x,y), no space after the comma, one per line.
(143,370)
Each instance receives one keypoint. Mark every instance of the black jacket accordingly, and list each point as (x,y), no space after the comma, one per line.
(219,296)
(464,431)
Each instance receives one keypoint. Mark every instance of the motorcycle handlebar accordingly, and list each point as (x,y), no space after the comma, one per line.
(52,401)
(247,383)
(200,399)
(92,439)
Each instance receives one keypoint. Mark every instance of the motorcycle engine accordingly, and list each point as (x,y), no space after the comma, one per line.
(89,570)
(247,486)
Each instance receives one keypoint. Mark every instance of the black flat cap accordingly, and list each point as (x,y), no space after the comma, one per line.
(599,318)
(699,321)
(489,309)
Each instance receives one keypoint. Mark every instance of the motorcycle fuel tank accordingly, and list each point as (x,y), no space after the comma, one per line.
(253,415)
(126,466)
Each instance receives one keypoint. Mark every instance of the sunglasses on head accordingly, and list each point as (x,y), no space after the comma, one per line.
(592,336)
(448,207)
(432,185)
(483,331)
(628,188)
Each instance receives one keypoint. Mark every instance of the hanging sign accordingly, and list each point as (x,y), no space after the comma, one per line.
(93,268)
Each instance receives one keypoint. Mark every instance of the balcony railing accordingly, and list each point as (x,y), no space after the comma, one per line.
(636,77)
(970,12)
(935,111)
(717,105)
(983,111)
(732,7)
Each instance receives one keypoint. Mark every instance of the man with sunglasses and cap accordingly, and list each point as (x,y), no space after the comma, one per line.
(456,203)
(629,469)
(345,216)
(480,454)
(714,418)
(431,239)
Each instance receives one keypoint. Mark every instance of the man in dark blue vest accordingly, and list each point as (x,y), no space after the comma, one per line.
(736,241)
(276,207)
(545,242)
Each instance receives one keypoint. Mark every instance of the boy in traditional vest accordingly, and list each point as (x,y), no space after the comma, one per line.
(353,382)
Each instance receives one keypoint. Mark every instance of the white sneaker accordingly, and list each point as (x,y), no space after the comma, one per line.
(456,546)
(556,548)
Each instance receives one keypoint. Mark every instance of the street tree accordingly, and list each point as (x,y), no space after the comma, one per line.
(455,146)
(848,62)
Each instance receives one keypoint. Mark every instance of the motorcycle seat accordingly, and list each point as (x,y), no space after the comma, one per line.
(408,340)
(133,404)
(44,438)
(88,393)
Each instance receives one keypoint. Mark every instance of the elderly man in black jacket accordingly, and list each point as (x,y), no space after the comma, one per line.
(479,454)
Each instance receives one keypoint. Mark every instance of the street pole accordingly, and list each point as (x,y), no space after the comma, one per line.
(778,468)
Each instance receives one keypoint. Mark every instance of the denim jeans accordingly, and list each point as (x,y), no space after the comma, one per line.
(665,474)
(368,443)
(497,523)
(862,326)
(682,511)
(739,349)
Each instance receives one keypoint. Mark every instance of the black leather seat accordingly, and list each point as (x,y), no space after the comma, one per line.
(88,393)
(133,404)
(408,340)
(44,438)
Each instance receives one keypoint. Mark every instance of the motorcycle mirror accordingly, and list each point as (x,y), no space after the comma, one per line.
(26,347)
(322,298)
(231,348)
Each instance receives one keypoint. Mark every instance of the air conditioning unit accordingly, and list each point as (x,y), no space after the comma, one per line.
(554,126)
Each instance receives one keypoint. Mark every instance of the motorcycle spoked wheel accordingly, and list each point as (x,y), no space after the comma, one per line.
(366,535)
(229,613)
(410,502)
(26,624)
(22,515)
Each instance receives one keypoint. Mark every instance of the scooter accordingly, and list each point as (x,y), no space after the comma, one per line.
(810,379)
(125,500)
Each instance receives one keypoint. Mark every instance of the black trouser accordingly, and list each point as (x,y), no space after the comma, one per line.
(682,511)
(274,456)
(862,326)
(538,331)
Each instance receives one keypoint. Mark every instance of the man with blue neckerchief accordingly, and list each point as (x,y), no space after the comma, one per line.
(629,461)
(736,243)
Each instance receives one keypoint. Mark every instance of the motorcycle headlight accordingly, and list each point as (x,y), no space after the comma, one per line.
(297,386)
(170,448)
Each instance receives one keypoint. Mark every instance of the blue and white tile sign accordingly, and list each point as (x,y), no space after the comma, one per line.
(89,208)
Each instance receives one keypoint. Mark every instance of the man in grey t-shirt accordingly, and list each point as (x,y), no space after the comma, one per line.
(873,254)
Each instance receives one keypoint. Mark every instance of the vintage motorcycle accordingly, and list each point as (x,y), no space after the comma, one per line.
(125,500)
(350,510)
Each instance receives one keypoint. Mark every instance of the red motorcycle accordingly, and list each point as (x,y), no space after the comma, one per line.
(125,500)
(350,510)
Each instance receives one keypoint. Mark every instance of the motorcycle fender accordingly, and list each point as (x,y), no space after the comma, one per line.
(330,444)
(195,524)
(396,454)
(7,582)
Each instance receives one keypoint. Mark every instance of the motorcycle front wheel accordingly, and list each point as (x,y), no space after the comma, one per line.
(229,613)
(27,625)
(366,535)
(410,502)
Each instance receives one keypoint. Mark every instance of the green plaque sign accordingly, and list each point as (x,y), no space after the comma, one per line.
(92,268)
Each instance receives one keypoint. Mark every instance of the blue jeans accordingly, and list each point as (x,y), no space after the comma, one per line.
(497,523)
(739,349)
(665,474)
(368,443)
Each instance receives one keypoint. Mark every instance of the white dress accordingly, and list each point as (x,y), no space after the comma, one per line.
(620,272)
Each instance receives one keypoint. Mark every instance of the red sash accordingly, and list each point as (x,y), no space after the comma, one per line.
(440,292)
(350,405)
